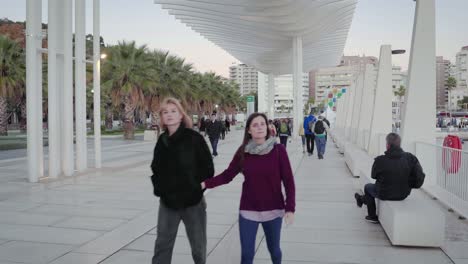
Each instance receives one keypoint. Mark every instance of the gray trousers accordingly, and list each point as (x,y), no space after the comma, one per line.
(194,219)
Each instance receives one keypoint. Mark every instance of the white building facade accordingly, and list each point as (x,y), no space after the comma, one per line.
(246,76)
(284,96)
(461,72)
(327,79)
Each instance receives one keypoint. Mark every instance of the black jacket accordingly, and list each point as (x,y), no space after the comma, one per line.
(180,163)
(213,129)
(395,174)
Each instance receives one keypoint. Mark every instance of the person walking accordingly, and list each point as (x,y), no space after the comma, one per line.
(180,163)
(326,121)
(213,130)
(266,167)
(303,138)
(308,123)
(320,130)
(202,126)
(284,132)
(223,129)
(228,125)
(272,128)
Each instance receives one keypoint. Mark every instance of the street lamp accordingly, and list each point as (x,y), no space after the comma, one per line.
(398,51)
(103,55)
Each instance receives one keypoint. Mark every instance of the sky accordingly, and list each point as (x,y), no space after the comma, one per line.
(375,22)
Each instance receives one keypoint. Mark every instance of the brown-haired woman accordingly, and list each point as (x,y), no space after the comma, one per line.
(265,166)
(181,161)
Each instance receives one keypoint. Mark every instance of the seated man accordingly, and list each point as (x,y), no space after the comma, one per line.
(396,173)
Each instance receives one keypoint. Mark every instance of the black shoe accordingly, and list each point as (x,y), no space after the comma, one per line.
(359,201)
(372,219)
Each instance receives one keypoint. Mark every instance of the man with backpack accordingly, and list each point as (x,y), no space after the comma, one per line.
(284,132)
(309,134)
(395,174)
(320,130)
(326,121)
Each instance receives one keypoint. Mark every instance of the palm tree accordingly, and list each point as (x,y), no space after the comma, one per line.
(12,77)
(400,92)
(126,72)
(451,84)
(170,76)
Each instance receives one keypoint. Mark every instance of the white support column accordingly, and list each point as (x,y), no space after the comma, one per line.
(67,93)
(420,99)
(382,114)
(261,93)
(367,106)
(418,123)
(271,96)
(53,91)
(357,104)
(297,85)
(80,84)
(38,115)
(97,82)
(34,89)
(344,113)
(351,92)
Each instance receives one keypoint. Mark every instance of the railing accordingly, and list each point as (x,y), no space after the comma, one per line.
(446,174)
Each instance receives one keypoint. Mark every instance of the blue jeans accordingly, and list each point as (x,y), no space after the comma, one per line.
(214,145)
(248,233)
(370,193)
(320,143)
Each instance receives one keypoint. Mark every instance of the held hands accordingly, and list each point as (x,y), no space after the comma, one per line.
(203,185)
(289,218)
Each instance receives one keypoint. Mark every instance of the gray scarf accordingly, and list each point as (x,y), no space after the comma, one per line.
(265,148)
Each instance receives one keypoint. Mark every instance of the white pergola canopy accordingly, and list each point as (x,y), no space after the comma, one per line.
(260,32)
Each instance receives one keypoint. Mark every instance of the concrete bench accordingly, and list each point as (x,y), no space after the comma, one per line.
(357,160)
(415,221)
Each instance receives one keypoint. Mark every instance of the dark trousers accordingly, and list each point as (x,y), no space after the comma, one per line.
(370,193)
(223,134)
(310,143)
(214,145)
(248,233)
(284,140)
(194,219)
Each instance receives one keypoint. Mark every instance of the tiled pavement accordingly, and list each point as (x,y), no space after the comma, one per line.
(109,216)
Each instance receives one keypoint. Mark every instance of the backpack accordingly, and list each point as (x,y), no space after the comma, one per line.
(319,127)
(284,128)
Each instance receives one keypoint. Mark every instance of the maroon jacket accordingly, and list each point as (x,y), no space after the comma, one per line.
(263,175)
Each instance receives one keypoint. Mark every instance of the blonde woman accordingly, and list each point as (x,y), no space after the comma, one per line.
(181,161)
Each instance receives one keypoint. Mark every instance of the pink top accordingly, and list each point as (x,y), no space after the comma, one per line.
(263,216)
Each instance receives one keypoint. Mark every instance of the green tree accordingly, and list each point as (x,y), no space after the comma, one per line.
(450,84)
(12,77)
(126,74)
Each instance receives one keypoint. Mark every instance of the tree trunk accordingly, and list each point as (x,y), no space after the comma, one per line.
(23,119)
(129,119)
(3,117)
(155,122)
(109,118)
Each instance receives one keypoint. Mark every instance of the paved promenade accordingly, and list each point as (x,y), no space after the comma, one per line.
(109,216)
